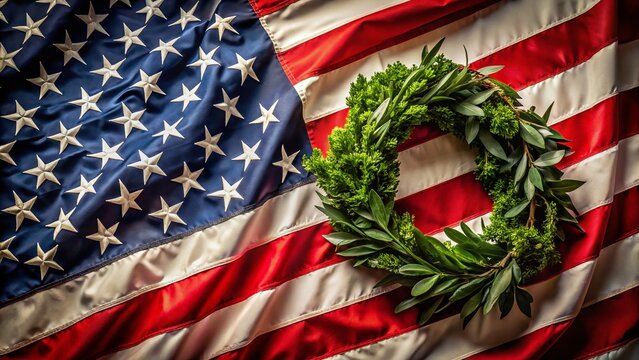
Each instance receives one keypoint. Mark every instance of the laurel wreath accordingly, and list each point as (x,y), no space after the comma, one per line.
(516,156)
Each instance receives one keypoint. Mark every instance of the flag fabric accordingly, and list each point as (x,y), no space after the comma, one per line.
(154,204)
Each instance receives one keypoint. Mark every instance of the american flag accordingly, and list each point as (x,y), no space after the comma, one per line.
(154,205)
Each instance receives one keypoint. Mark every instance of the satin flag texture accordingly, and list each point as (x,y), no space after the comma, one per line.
(154,206)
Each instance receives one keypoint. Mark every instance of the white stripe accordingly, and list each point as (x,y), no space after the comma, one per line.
(291,25)
(329,288)
(629,351)
(482,35)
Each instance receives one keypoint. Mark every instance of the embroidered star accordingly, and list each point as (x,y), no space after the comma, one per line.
(45,261)
(248,154)
(205,60)
(167,47)
(131,37)
(187,96)
(222,24)
(113,2)
(152,8)
(108,70)
(126,199)
(266,117)
(22,117)
(210,144)
(168,214)
(287,163)
(93,21)
(63,223)
(87,102)
(245,67)
(149,84)
(5,253)
(228,192)
(71,49)
(67,137)
(46,82)
(84,188)
(186,17)
(105,236)
(21,210)
(169,130)
(188,179)
(4,152)
(53,3)
(6,58)
(229,107)
(31,28)
(2,17)
(130,120)
(108,153)
(44,172)
(148,165)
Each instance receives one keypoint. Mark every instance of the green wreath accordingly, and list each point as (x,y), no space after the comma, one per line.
(516,156)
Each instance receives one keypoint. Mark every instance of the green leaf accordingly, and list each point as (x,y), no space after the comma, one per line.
(531,135)
(427,313)
(472,129)
(535,178)
(529,189)
(470,233)
(516,272)
(424,285)
(487,70)
(407,304)
(378,114)
(510,92)
(442,82)
(506,301)
(480,97)
(566,185)
(381,132)
(388,280)
(435,250)
(517,209)
(365,214)
(547,112)
(378,209)
(521,168)
(524,299)
(334,214)
(418,270)
(430,57)
(467,289)
(362,223)
(500,284)
(468,109)
(438,98)
(360,262)
(361,250)
(550,158)
(445,286)
(471,305)
(342,238)
(456,236)
(491,144)
(378,235)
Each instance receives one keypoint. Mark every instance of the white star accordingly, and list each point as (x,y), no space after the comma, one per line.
(188,179)
(46,82)
(112,2)
(3,3)
(5,253)
(6,58)
(266,117)
(148,165)
(228,192)
(169,130)
(87,102)
(245,67)
(53,3)
(149,84)
(168,214)
(22,210)
(4,153)
(187,96)
(222,24)
(63,223)
(93,21)
(108,70)
(205,60)
(67,137)
(186,17)
(126,199)
(105,236)
(287,163)
(31,28)
(210,144)
(44,172)
(131,37)
(45,261)
(166,47)
(248,154)
(22,117)
(84,187)
(229,107)
(71,49)
(152,8)
(130,120)
(108,153)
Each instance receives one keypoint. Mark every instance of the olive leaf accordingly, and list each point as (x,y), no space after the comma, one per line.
(491,144)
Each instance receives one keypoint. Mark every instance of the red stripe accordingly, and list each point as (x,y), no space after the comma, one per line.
(628,11)
(265,7)
(373,33)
